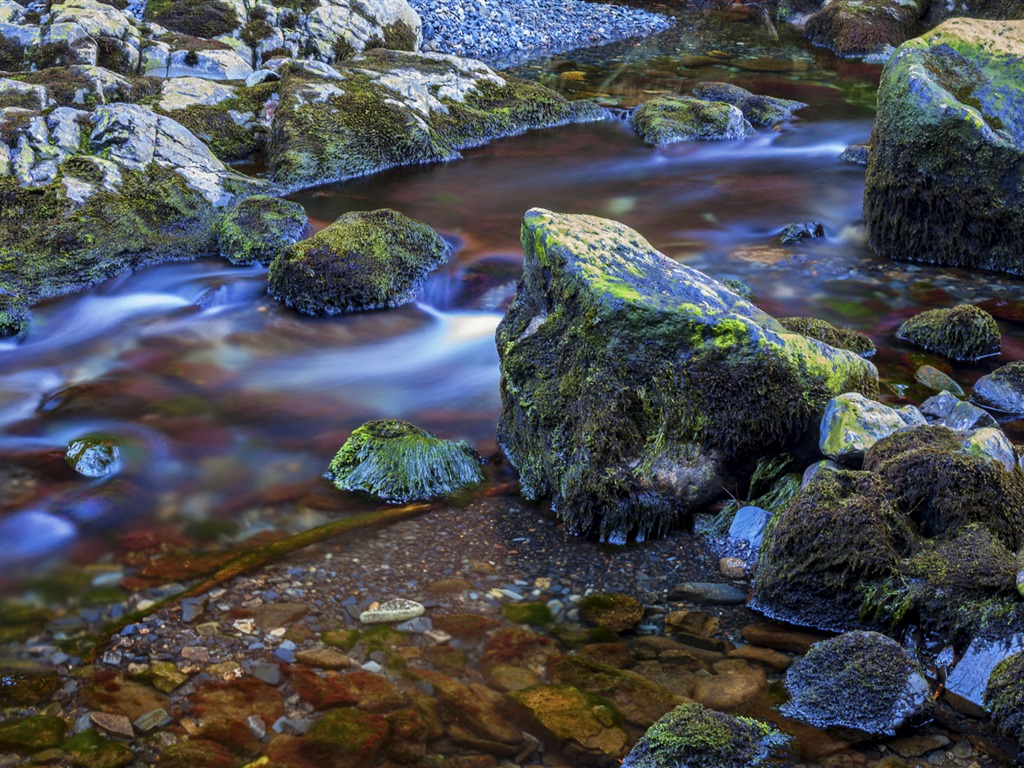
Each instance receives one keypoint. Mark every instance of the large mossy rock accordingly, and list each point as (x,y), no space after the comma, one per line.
(397,461)
(964,332)
(1004,696)
(1003,389)
(944,180)
(632,386)
(693,736)
(857,27)
(861,680)
(364,260)
(670,119)
(259,228)
(386,108)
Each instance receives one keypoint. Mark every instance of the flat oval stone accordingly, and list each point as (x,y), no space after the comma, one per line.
(392,611)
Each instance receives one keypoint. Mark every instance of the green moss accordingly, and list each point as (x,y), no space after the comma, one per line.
(638,700)
(65,84)
(964,332)
(855,27)
(90,750)
(346,737)
(364,260)
(255,32)
(739,288)
(1003,697)
(397,461)
(345,639)
(670,119)
(840,338)
(532,614)
(399,36)
(198,18)
(759,110)
(32,734)
(260,227)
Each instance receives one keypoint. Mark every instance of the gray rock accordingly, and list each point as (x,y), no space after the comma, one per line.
(707,593)
(1003,389)
(852,423)
(935,379)
(815,468)
(210,64)
(392,611)
(969,678)
(749,525)
(911,416)
(184,92)
(17,93)
(261,76)
(991,442)
(948,411)
(152,720)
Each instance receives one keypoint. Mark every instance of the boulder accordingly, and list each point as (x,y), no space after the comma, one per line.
(852,423)
(861,680)
(632,386)
(692,736)
(758,110)
(184,92)
(964,332)
(1004,696)
(209,64)
(670,119)
(259,228)
(858,27)
(1003,389)
(840,338)
(364,260)
(947,410)
(397,461)
(943,181)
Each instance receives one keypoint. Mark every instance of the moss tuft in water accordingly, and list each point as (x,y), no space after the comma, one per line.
(964,332)
(399,462)
(840,338)
(759,110)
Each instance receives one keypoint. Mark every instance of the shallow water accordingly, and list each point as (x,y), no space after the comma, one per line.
(224,401)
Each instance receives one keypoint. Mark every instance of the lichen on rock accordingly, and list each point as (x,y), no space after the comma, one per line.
(840,338)
(259,228)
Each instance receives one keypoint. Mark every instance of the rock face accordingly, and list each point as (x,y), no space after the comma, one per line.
(861,680)
(857,27)
(692,736)
(397,461)
(964,332)
(943,181)
(364,260)
(670,119)
(632,385)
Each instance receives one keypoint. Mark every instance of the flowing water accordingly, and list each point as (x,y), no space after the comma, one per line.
(223,401)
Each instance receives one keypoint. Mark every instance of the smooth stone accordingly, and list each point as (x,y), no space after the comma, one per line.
(749,525)
(935,379)
(118,725)
(150,721)
(707,593)
(392,612)
(949,411)
(325,658)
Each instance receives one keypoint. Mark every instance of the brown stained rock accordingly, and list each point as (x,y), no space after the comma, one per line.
(469,740)
(505,678)
(237,700)
(611,610)
(273,615)
(324,658)
(615,655)
(233,735)
(466,627)
(449,586)
(449,660)
(700,623)
(728,692)
(371,692)
(518,647)
(769,634)
(580,725)
(430,712)
(407,742)
(322,691)
(346,738)
(112,693)
(667,650)
(774,660)
(196,753)
(672,677)
(472,707)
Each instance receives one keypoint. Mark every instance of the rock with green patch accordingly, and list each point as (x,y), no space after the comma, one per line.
(387,108)
(942,181)
(257,229)
(14,317)
(633,386)
(992,443)
(343,27)
(531,614)
(89,749)
(798,232)
(840,338)
(861,680)
(858,27)
(32,734)
(196,753)
(669,119)
(1003,389)
(611,610)
(947,410)
(964,332)
(364,260)
(935,379)
(94,456)
(693,736)
(759,110)
(1004,697)
(853,423)
(399,462)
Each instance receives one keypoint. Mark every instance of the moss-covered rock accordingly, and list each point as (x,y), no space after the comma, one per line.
(364,260)
(196,753)
(611,610)
(1003,389)
(759,110)
(196,18)
(633,385)
(840,338)
(25,689)
(693,736)
(857,27)
(346,738)
(32,734)
(1004,696)
(852,423)
(397,461)
(670,119)
(259,228)
(861,680)
(89,749)
(387,108)
(964,332)
(943,180)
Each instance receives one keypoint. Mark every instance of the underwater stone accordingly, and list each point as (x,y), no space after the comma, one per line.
(964,332)
(397,461)
(852,423)
(935,379)
(259,228)
(693,736)
(94,456)
(670,119)
(364,260)
(861,680)
(633,387)
(1003,389)
(759,110)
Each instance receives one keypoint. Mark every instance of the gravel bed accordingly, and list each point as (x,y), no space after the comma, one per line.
(506,33)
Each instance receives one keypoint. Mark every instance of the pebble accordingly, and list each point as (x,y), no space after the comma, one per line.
(392,611)
(732,567)
(257,726)
(149,721)
(270,673)
(707,593)
(119,725)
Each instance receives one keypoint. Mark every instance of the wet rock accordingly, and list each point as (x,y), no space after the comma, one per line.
(611,610)
(273,615)
(774,660)
(597,352)
(90,750)
(961,333)
(259,228)
(519,647)
(759,110)
(364,260)
(945,146)
(991,443)
(108,692)
(24,689)
(1003,389)
(616,655)
(197,753)
(852,423)
(118,725)
(1004,697)
(505,678)
(32,734)
(534,614)
(399,462)
(732,567)
(392,612)
(915,746)
(692,735)
(94,456)
(857,154)
(237,700)
(707,593)
(947,410)
(581,726)
(857,27)
(346,738)
(973,673)
(840,338)
(474,706)
(728,693)
(669,119)
(324,658)
(407,741)
(795,233)
(861,680)
(935,379)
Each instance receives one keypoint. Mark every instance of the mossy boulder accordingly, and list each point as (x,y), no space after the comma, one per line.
(840,338)
(259,228)
(670,119)
(759,110)
(853,423)
(364,260)
(397,461)
(632,386)
(861,680)
(387,108)
(1003,389)
(964,332)
(32,734)
(693,736)
(14,315)
(1004,697)
(195,18)
(944,184)
(857,27)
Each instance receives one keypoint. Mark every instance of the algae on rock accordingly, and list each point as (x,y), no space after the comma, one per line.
(259,228)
